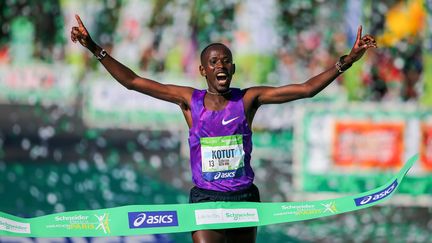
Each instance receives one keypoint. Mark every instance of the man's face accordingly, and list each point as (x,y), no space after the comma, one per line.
(218,68)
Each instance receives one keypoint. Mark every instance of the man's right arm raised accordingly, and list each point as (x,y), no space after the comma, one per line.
(125,76)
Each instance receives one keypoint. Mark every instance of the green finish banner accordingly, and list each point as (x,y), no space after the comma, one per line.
(174,218)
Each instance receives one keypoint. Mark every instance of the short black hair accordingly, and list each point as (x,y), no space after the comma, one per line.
(205,50)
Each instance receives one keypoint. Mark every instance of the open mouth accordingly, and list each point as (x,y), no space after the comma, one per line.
(221,77)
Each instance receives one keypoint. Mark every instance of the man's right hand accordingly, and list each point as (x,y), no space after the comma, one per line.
(79,33)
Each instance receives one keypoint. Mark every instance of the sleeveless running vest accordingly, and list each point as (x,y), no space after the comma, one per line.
(220,145)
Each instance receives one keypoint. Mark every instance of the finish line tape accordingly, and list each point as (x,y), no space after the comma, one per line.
(174,218)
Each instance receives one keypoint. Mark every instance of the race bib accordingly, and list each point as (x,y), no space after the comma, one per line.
(222,157)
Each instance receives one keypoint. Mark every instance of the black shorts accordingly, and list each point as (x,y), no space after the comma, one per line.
(250,194)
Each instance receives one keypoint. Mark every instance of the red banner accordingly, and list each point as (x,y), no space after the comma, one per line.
(426,147)
(368,144)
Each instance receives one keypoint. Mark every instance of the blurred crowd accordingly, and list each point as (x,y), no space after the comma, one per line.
(274,42)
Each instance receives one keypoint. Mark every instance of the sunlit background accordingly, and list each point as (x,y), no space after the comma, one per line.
(72,138)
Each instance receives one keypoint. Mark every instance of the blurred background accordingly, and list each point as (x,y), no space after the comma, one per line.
(72,138)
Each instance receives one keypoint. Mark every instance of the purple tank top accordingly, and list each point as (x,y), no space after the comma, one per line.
(220,145)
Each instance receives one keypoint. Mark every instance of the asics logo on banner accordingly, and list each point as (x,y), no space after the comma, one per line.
(361,201)
(224,175)
(228,121)
(152,219)
(139,220)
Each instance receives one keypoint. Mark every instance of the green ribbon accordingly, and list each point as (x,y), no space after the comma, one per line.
(173,218)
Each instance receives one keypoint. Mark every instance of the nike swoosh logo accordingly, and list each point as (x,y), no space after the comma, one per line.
(229,121)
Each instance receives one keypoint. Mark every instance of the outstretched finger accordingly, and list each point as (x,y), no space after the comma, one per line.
(80,23)
(359,31)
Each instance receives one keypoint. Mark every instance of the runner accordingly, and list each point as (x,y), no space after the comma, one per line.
(220,120)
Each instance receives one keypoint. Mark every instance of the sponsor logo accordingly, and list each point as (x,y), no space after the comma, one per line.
(152,219)
(221,215)
(308,209)
(329,207)
(72,219)
(99,222)
(224,175)
(14,226)
(376,196)
(103,223)
(228,121)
